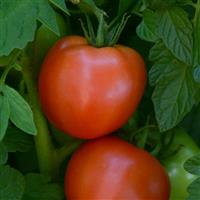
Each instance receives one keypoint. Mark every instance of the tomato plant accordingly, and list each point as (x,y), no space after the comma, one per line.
(96,89)
(111,168)
(75,71)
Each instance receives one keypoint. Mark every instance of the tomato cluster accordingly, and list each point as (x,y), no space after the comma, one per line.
(90,92)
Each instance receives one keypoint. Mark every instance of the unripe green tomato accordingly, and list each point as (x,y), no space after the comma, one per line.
(180,179)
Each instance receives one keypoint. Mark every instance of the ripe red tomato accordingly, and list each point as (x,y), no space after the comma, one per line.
(87,91)
(109,168)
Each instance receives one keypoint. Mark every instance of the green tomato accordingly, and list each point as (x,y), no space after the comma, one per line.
(45,38)
(179,177)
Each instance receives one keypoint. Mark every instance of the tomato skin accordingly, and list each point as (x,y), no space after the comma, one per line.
(111,168)
(180,179)
(89,92)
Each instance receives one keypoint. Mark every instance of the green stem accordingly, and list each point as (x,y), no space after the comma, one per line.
(49,158)
(119,30)
(87,36)
(65,151)
(156,150)
(43,143)
(142,141)
(100,32)
(191,4)
(5,73)
(9,67)
(140,130)
(137,14)
(90,29)
(89,7)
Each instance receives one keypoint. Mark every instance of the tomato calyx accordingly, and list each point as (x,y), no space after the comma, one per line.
(107,34)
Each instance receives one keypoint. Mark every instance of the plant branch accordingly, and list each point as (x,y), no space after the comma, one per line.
(49,158)
(8,68)
(43,143)
(65,151)
(5,73)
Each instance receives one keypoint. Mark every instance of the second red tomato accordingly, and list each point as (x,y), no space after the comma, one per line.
(89,92)
(109,168)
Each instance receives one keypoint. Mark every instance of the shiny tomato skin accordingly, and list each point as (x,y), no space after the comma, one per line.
(109,168)
(89,92)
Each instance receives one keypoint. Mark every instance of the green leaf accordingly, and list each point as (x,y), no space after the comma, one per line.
(18,24)
(3,154)
(17,66)
(161,4)
(7,60)
(175,91)
(161,56)
(175,29)
(145,33)
(184,2)
(47,16)
(192,165)
(193,189)
(125,5)
(173,96)
(147,29)
(20,112)
(196,34)
(196,73)
(4,114)
(11,183)
(61,5)
(191,123)
(39,187)
(16,140)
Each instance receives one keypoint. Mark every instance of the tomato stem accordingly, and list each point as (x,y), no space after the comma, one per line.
(43,143)
(119,29)
(107,34)
(5,73)
(49,158)
(87,36)
(8,68)
(90,29)
(100,40)
(65,151)
(141,130)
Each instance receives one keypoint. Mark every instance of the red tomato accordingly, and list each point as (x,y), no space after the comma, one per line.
(112,169)
(87,91)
